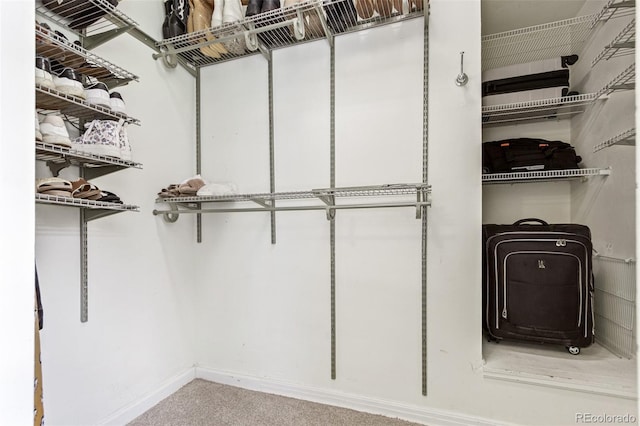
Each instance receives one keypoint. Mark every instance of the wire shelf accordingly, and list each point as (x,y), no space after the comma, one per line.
(53,100)
(623,44)
(419,194)
(542,175)
(626,80)
(627,138)
(538,42)
(299,23)
(61,154)
(616,9)
(79,202)
(56,48)
(108,18)
(543,109)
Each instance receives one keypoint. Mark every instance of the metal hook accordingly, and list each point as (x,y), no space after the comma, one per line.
(462,78)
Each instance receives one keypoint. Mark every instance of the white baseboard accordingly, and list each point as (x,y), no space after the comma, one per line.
(387,408)
(135,409)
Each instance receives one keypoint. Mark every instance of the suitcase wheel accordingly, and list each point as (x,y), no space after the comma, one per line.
(573,350)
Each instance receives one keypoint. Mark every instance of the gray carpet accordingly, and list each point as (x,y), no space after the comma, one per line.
(201,402)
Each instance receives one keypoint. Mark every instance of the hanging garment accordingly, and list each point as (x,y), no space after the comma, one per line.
(38,403)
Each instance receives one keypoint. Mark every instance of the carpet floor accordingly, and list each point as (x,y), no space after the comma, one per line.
(204,403)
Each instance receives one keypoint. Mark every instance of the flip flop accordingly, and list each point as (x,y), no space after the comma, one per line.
(109,197)
(169,192)
(54,186)
(85,190)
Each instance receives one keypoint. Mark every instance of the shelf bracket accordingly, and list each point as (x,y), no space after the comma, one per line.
(93,41)
(172,216)
(264,203)
(330,201)
(55,167)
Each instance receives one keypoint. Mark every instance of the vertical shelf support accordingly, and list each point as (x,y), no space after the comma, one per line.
(332,183)
(272,173)
(198,150)
(84,275)
(425,179)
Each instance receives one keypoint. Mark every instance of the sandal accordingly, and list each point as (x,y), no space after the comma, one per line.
(54,186)
(169,192)
(85,190)
(109,197)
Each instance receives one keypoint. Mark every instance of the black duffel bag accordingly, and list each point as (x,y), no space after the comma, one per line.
(527,154)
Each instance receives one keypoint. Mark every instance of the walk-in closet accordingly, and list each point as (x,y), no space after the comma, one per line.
(292,201)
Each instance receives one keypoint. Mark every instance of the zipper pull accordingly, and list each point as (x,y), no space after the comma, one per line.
(561,243)
(504,313)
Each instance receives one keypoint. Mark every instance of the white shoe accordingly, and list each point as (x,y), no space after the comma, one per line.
(98,94)
(43,72)
(69,82)
(54,131)
(38,133)
(232,12)
(125,146)
(216,17)
(117,103)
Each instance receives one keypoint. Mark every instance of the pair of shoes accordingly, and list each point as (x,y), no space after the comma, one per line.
(53,130)
(67,80)
(38,132)
(200,15)
(341,14)
(106,138)
(256,7)
(98,94)
(365,8)
(385,8)
(44,77)
(228,12)
(271,38)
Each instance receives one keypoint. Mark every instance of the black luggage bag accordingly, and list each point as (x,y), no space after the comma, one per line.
(528,154)
(538,283)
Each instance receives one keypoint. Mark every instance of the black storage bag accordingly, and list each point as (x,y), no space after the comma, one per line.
(528,154)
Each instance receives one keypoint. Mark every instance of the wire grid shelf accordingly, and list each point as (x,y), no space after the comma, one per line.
(623,44)
(79,202)
(72,55)
(615,304)
(77,16)
(627,138)
(616,9)
(356,191)
(538,42)
(542,175)
(542,109)
(294,24)
(53,100)
(626,80)
(62,154)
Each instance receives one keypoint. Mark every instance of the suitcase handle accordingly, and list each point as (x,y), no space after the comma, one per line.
(531,219)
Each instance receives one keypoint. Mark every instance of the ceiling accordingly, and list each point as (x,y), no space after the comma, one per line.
(505,15)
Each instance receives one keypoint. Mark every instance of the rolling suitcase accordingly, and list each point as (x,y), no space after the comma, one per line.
(538,283)
(545,79)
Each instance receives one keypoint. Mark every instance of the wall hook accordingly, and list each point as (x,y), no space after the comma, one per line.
(462,78)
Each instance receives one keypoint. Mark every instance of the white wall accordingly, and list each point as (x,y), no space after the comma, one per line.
(266,307)
(606,205)
(140,330)
(16,246)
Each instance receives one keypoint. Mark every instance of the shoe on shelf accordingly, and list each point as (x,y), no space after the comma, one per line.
(365,8)
(253,8)
(43,72)
(54,131)
(125,146)
(117,103)
(98,94)
(342,15)
(38,133)
(101,137)
(202,12)
(69,82)
(216,16)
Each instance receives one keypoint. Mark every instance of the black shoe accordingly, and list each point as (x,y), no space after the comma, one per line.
(254,7)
